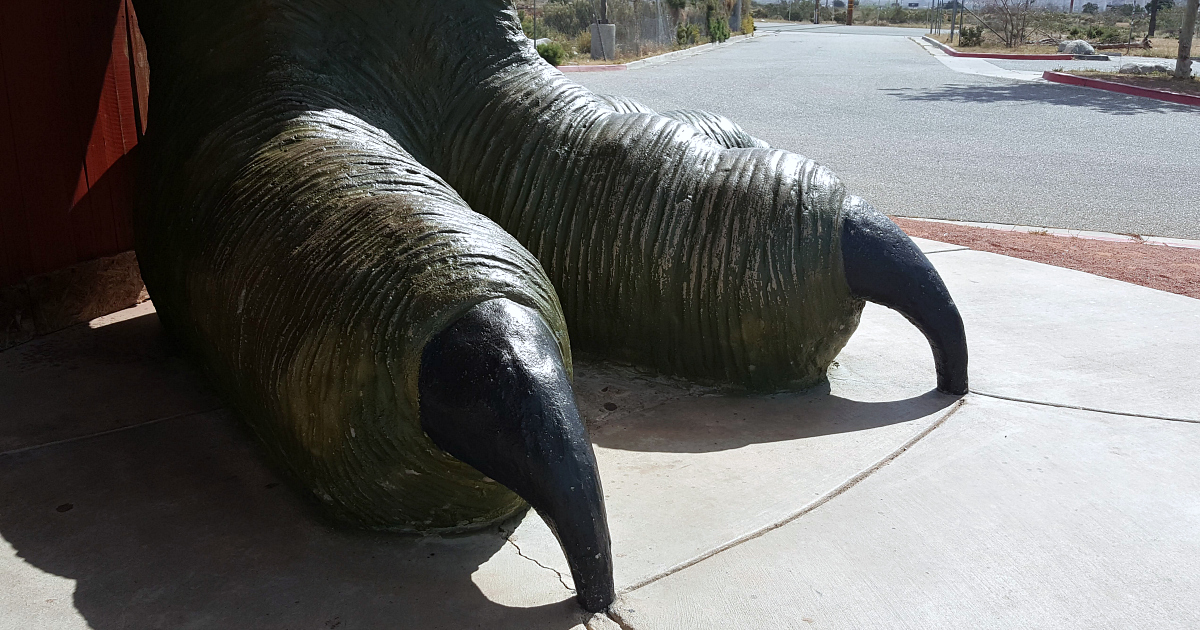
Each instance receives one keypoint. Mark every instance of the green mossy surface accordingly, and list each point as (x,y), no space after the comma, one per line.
(328,184)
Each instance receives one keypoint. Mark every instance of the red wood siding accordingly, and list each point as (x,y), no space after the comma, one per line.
(69,113)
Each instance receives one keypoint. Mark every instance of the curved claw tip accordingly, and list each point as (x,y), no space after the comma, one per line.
(884,266)
(495,394)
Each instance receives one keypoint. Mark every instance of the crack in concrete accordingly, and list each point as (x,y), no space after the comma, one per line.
(1082,408)
(26,449)
(561,579)
(822,500)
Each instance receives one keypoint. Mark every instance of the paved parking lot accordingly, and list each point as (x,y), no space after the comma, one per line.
(918,139)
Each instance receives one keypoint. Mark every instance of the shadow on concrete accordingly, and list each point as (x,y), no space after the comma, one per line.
(718,423)
(82,381)
(1051,94)
(179,525)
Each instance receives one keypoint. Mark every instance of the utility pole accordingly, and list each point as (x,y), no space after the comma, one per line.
(1183,63)
(849,12)
(604,11)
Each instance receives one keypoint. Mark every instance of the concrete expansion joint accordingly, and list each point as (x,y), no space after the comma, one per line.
(80,438)
(615,617)
(561,578)
(822,500)
(1043,403)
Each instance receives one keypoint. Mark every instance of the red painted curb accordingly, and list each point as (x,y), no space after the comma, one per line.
(1100,84)
(595,68)
(954,53)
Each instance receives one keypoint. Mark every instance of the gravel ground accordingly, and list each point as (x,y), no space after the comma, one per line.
(918,139)
(1173,269)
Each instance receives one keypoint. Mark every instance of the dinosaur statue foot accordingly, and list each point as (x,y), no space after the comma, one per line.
(495,394)
(884,266)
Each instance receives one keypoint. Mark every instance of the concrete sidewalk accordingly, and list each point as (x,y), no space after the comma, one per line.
(1061,493)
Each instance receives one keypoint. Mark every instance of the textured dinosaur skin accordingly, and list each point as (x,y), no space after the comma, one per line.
(330,184)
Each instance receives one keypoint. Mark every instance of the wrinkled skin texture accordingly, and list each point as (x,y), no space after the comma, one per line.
(332,185)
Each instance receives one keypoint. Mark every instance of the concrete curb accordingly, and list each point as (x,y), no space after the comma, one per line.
(954,53)
(594,68)
(1100,84)
(1084,234)
(657,59)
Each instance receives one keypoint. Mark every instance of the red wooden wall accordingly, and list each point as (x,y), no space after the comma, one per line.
(73,86)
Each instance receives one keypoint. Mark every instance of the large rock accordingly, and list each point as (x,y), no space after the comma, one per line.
(1076,47)
(1147,67)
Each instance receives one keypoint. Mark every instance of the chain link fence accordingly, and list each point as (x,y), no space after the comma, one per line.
(644,27)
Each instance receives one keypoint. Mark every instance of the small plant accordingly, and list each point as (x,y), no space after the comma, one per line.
(583,41)
(1091,8)
(971,36)
(687,34)
(553,53)
(747,24)
(1104,34)
(718,30)
(718,25)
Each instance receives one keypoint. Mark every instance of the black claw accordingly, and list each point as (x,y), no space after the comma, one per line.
(884,266)
(495,394)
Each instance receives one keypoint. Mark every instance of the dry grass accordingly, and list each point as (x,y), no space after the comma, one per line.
(1159,47)
(1152,81)
(991,46)
(1173,269)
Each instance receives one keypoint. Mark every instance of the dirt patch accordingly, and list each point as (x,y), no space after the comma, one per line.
(996,47)
(1153,81)
(1173,269)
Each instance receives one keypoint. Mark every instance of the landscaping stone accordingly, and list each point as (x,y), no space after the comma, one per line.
(1147,67)
(1076,47)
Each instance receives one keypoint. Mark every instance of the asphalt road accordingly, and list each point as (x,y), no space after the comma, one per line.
(918,139)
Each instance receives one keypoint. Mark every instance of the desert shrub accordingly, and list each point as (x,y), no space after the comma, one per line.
(553,53)
(718,30)
(716,24)
(971,36)
(583,42)
(1090,8)
(569,17)
(1105,34)
(897,15)
(687,34)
